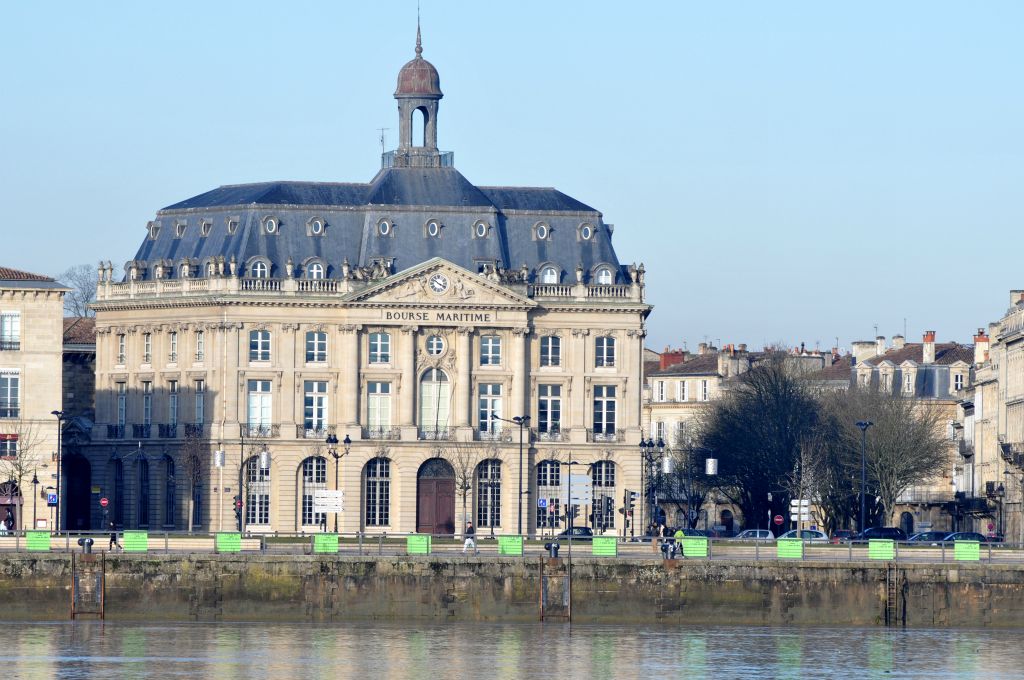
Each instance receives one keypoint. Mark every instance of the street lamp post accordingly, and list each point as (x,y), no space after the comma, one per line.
(35,495)
(647,459)
(332,448)
(1000,494)
(863,425)
(60,419)
(521,421)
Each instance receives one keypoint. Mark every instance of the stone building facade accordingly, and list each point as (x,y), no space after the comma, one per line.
(31,332)
(415,316)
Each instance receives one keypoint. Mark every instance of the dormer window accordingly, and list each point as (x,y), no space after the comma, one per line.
(316,226)
(260,270)
(179,229)
(549,275)
(586,231)
(480,229)
(315,271)
(184,271)
(541,231)
(232,225)
(154,230)
(433,228)
(204,228)
(604,276)
(384,228)
(271,225)
(211,268)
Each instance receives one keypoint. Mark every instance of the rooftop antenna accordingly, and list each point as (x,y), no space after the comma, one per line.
(876,330)
(382,138)
(904,326)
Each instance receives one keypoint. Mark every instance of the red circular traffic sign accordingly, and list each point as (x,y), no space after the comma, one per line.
(104,502)
(778,520)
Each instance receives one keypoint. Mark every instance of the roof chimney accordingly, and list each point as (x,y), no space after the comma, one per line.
(671,358)
(898,341)
(863,349)
(742,347)
(928,348)
(702,349)
(981,345)
(1016,296)
(879,345)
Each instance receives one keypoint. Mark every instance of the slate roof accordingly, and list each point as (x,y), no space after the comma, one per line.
(946,353)
(409,198)
(840,370)
(79,330)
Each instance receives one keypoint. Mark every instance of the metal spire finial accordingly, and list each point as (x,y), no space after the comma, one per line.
(419,43)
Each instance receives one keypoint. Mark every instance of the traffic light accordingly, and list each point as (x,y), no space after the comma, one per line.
(238,511)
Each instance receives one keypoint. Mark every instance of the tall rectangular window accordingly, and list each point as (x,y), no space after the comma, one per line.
(315,407)
(147,348)
(10,394)
(122,403)
(549,409)
(316,346)
(604,351)
(259,408)
(147,403)
(10,331)
(259,345)
(200,345)
(490,408)
(378,406)
(550,350)
(684,390)
(378,492)
(380,348)
(172,402)
(314,477)
(604,410)
(958,381)
(490,350)
(9,446)
(658,433)
(200,392)
(704,394)
(122,351)
(659,390)
(908,384)
(172,342)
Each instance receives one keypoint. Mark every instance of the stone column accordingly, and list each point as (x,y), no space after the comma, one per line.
(407,364)
(463,382)
(520,374)
(348,379)
(578,397)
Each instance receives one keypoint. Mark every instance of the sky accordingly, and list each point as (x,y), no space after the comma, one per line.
(787,172)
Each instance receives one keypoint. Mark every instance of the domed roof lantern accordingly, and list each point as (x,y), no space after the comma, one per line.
(419,78)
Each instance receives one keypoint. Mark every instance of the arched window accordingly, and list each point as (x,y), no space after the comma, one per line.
(604,276)
(170,491)
(183,271)
(549,275)
(488,494)
(419,126)
(211,268)
(143,504)
(603,475)
(257,493)
(435,392)
(314,476)
(259,270)
(315,271)
(377,492)
(548,487)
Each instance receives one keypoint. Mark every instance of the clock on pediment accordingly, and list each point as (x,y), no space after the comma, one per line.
(438,283)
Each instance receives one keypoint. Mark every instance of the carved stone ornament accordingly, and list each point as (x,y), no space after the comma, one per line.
(523,330)
(289,327)
(349,327)
(580,332)
(410,329)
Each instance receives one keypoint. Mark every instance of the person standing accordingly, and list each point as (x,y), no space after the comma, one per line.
(113,537)
(470,535)
(8,523)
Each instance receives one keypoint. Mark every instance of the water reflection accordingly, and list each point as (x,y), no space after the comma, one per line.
(598,652)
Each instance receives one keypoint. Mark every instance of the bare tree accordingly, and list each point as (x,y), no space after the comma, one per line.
(465,458)
(81,279)
(194,449)
(26,459)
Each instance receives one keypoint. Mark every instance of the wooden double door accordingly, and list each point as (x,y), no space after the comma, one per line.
(435,498)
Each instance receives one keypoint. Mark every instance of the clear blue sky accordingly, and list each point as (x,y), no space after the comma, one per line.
(787,171)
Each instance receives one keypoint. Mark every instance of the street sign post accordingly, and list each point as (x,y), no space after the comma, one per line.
(104,502)
(51,499)
(542,502)
(778,520)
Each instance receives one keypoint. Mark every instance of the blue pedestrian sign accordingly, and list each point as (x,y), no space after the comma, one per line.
(542,502)
(51,499)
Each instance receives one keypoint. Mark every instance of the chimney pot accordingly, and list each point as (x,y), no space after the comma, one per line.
(928,348)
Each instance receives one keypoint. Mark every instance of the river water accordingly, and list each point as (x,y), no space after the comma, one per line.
(496,651)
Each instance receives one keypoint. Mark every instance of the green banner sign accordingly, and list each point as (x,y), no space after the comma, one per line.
(967,550)
(417,544)
(605,546)
(695,546)
(229,542)
(136,541)
(881,549)
(325,543)
(37,540)
(790,548)
(510,545)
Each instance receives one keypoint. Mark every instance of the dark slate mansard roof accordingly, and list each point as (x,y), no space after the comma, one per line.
(408,197)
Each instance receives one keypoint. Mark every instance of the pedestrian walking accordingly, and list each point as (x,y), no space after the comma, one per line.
(678,545)
(8,523)
(470,535)
(113,537)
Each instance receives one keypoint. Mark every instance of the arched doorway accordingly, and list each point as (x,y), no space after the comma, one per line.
(77,480)
(907,523)
(435,497)
(727,519)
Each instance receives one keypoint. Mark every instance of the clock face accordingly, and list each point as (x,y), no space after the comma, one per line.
(439,283)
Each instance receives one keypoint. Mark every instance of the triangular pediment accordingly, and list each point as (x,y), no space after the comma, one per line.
(438,282)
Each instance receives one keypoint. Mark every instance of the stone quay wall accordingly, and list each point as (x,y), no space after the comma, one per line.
(430,588)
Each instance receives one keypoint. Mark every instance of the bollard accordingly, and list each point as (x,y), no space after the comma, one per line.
(86,544)
(552,549)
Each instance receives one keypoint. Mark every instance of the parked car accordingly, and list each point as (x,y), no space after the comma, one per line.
(756,535)
(967,536)
(842,535)
(812,535)
(577,534)
(932,537)
(894,533)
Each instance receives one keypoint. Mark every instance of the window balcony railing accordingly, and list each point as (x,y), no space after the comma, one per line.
(115,431)
(437,433)
(391,433)
(195,429)
(493,435)
(605,436)
(552,434)
(141,431)
(200,356)
(303,431)
(122,359)
(167,430)
(147,358)
(259,430)
(10,345)
(172,357)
